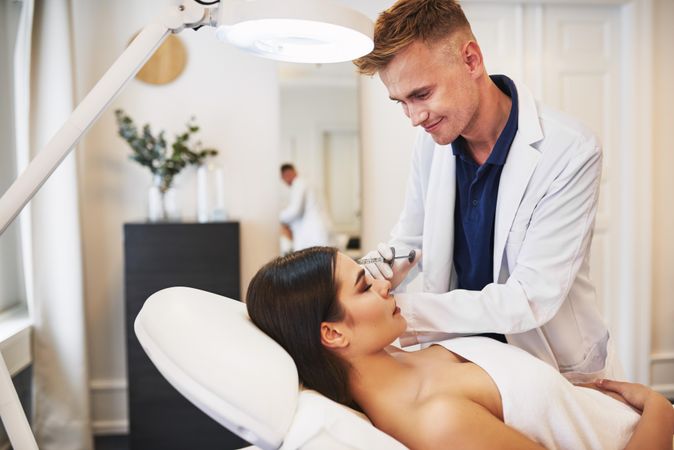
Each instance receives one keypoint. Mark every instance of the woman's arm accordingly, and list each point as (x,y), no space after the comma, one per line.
(460,423)
(656,426)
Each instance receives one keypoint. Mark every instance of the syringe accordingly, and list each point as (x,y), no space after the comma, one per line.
(410,258)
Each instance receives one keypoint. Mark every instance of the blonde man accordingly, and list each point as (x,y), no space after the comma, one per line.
(501,198)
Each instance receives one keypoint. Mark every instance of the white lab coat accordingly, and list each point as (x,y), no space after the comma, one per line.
(543,300)
(305,216)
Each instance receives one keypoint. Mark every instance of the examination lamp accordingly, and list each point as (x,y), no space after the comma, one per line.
(309,31)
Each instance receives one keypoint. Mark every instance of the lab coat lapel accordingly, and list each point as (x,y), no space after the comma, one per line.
(517,171)
(439,224)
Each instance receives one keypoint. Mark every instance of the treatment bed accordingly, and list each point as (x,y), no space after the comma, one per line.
(206,346)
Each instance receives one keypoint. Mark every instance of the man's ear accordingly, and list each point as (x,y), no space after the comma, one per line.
(471,55)
(333,335)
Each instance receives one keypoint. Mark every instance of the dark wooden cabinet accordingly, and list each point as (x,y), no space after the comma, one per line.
(157,256)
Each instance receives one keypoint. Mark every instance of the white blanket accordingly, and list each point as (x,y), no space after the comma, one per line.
(543,405)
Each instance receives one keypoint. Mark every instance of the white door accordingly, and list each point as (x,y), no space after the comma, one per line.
(581,76)
(574,58)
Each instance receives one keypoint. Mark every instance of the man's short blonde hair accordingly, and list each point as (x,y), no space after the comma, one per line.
(407,21)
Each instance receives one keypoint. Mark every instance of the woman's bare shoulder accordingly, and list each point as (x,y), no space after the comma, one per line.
(451,408)
(419,424)
(442,420)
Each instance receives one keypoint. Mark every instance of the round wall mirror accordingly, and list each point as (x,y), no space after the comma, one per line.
(166,64)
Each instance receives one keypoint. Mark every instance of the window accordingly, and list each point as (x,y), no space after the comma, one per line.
(12,285)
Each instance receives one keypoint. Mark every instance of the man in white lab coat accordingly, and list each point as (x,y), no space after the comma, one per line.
(304,214)
(501,198)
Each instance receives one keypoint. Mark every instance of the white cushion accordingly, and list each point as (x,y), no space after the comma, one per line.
(207,348)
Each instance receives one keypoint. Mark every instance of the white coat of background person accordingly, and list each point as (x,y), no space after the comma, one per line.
(304,214)
(540,295)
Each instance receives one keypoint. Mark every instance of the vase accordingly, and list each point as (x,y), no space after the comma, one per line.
(162,201)
(211,193)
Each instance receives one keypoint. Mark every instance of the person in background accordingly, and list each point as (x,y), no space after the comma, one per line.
(304,215)
(501,199)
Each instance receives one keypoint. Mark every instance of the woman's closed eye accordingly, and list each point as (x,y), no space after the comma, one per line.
(368,281)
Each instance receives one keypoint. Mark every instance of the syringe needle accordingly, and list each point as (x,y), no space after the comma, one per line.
(409,257)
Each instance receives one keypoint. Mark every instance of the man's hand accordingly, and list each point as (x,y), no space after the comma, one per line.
(397,269)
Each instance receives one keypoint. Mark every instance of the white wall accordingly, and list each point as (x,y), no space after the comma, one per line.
(386,141)
(235,100)
(663,186)
(387,137)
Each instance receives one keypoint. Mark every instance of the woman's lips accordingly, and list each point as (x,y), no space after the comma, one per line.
(396,310)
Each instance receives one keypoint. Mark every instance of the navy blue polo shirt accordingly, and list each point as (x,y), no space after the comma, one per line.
(475,207)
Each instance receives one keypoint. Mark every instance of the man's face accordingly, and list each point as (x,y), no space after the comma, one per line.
(436,90)
(288,176)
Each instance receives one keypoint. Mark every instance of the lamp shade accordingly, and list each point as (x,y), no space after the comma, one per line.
(309,31)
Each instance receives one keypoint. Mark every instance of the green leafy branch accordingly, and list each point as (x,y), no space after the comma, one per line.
(151,151)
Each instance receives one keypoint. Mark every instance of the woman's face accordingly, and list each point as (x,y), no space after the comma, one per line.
(372,318)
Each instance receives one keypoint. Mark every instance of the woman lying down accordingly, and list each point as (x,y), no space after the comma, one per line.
(463,393)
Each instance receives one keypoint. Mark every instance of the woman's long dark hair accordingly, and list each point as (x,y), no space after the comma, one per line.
(288,299)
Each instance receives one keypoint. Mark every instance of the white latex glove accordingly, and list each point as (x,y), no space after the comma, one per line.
(396,271)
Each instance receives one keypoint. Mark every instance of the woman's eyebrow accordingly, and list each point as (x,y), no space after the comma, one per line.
(361,274)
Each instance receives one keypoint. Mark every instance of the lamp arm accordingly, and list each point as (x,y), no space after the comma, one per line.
(87,112)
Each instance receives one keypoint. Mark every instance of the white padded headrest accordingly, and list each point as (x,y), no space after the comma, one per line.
(206,346)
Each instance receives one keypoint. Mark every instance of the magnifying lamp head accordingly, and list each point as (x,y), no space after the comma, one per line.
(308,31)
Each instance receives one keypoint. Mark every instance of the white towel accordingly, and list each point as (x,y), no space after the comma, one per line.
(543,405)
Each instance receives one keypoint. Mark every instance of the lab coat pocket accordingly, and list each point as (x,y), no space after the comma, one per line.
(514,245)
